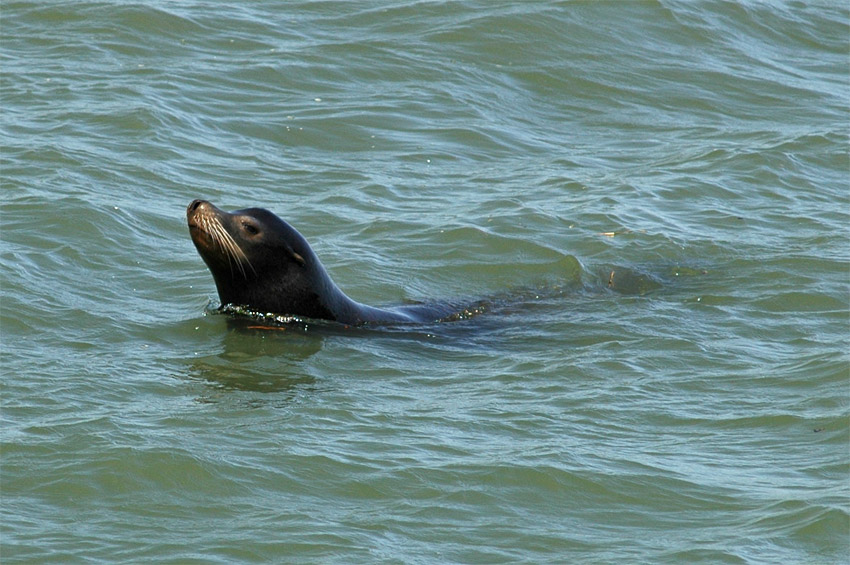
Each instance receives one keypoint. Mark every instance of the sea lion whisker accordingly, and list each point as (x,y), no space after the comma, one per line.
(238,254)
(213,229)
(220,236)
(233,249)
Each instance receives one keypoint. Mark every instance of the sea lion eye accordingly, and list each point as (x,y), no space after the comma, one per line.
(250,228)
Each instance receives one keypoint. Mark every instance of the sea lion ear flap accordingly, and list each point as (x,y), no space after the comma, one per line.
(298,258)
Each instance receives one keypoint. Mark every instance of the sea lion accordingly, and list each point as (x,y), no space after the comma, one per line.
(262,263)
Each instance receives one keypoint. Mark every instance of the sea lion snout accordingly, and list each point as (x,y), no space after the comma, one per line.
(200,212)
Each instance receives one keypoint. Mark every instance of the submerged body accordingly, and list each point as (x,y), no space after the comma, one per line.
(262,263)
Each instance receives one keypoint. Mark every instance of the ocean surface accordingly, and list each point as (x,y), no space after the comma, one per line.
(647,204)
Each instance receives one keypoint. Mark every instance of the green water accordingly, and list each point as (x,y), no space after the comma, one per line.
(650,198)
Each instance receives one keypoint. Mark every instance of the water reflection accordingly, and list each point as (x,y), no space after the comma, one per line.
(259,357)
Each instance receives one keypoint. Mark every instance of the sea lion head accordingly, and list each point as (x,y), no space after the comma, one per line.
(259,261)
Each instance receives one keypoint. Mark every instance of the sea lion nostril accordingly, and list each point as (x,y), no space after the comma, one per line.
(198,207)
